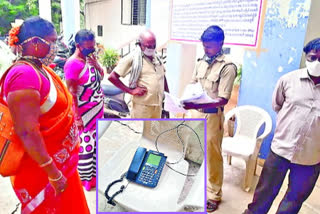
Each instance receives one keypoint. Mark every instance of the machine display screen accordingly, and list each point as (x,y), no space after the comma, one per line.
(154,159)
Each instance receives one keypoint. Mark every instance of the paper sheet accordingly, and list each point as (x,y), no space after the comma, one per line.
(192,93)
(173,104)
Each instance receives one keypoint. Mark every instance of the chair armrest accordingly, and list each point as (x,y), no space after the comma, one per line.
(267,129)
(230,114)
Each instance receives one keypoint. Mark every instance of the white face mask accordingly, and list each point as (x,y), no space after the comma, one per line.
(313,68)
(149,52)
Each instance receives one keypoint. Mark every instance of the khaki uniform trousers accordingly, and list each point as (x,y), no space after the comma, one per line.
(214,153)
(145,111)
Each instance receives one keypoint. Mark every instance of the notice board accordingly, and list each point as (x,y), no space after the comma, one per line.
(239,19)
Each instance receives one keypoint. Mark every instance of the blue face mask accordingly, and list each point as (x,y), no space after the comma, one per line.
(87,51)
(209,60)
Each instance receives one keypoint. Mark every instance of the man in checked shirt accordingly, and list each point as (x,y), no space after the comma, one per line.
(296,142)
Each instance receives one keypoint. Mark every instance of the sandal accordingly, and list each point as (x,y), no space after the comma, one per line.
(212,205)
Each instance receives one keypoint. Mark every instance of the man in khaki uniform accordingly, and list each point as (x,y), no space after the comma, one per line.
(147,78)
(216,73)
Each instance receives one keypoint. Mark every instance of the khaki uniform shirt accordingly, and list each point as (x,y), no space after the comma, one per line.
(152,77)
(296,99)
(217,78)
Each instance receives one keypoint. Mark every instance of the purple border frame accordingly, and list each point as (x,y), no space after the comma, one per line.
(240,44)
(173,119)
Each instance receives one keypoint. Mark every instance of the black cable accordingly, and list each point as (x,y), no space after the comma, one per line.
(196,135)
(122,188)
(187,175)
(183,145)
(156,141)
(129,127)
(17,206)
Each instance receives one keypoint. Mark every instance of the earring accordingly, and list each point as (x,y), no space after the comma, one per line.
(36,46)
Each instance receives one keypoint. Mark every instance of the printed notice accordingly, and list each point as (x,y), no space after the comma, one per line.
(238,18)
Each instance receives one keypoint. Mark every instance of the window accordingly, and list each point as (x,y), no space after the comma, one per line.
(100,31)
(133,12)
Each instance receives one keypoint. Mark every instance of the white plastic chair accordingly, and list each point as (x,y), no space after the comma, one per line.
(245,143)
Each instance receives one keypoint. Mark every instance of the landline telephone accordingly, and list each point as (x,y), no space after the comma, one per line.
(146,167)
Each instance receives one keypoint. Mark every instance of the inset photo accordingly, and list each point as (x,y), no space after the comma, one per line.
(151,165)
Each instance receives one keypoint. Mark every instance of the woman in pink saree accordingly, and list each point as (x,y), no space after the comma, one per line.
(83,76)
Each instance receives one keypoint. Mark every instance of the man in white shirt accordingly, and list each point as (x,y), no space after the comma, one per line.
(296,142)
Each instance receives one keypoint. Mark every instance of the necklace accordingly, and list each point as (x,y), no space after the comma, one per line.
(35,64)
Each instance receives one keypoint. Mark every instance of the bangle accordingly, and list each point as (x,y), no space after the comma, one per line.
(56,179)
(47,163)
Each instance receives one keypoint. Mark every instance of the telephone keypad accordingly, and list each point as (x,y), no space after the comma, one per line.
(149,174)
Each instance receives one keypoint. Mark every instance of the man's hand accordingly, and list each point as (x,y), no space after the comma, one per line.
(190,105)
(139,91)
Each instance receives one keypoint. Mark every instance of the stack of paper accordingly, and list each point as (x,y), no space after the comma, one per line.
(192,93)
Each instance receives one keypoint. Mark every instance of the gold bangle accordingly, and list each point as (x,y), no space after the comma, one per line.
(56,179)
(47,163)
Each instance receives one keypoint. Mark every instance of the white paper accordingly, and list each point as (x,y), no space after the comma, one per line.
(173,104)
(192,93)
(204,98)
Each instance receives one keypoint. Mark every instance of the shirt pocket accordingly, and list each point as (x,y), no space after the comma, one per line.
(201,71)
(212,82)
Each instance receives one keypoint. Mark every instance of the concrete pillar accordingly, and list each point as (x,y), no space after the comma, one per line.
(70,17)
(45,9)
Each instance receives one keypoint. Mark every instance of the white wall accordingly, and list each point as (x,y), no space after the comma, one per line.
(313,30)
(159,20)
(108,14)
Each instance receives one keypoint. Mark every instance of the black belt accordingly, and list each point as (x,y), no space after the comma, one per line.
(212,110)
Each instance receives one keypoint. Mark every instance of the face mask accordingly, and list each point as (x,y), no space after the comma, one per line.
(87,51)
(209,60)
(149,52)
(313,68)
(48,59)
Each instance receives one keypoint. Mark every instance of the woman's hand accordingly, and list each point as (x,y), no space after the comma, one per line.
(79,124)
(92,60)
(59,184)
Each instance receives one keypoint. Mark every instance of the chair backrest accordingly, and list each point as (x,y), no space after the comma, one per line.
(250,119)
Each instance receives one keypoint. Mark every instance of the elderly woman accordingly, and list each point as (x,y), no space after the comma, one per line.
(43,118)
(83,76)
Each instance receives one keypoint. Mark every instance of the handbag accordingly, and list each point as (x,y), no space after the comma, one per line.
(11,148)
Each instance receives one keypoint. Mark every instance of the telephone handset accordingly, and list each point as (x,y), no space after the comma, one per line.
(146,167)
